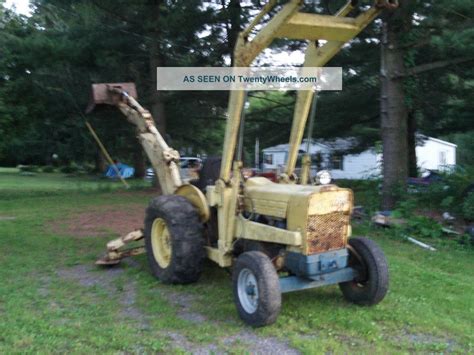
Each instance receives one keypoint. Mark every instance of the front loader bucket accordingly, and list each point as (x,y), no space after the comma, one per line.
(103,93)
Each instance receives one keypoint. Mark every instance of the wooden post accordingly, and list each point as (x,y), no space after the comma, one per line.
(106,154)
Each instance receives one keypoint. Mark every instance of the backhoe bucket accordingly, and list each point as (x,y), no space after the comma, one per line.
(103,94)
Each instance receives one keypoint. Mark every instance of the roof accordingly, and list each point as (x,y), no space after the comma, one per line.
(437,140)
(277,148)
(334,144)
(339,143)
(342,144)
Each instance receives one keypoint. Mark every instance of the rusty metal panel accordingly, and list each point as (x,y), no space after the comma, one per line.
(328,221)
(327,232)
(101,94)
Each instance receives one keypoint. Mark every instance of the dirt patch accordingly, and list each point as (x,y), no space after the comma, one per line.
(7,218)
(86,276)
(245,339)
(179,341)
(255,344)
(100,222)
(106,278)
(183,303)
(249,342)
(415,339)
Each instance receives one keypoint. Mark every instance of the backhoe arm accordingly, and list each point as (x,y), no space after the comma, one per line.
(163,158)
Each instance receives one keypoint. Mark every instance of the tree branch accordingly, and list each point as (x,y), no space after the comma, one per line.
(113,13)
(422,68)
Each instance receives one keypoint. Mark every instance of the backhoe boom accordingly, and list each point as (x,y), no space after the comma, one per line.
(163,158)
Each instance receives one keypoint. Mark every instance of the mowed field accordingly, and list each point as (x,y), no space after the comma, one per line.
(54,299)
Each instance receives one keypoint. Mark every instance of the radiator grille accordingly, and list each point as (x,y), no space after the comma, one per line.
(327,232)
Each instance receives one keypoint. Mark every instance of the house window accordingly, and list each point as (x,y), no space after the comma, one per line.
(336,162)
(317,160)
(442,158)
(268,159)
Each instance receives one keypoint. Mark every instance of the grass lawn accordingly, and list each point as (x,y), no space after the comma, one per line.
(53,298)
(13,182)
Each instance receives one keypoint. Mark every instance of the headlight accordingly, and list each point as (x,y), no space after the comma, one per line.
(323,177)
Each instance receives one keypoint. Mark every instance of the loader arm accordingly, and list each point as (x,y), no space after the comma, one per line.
(163,158)
(288,22)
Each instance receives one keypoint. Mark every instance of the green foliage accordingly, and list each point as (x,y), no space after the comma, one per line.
(465,147)
(73,168)
(366,193)
(447,202)
(48,169)
(405,208)
(415,210)
(50,59)
(423,227)
(28,168)
(448,194)
(69,169)
(468,207)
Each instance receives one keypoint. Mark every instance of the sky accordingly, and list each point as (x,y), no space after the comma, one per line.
(20,5)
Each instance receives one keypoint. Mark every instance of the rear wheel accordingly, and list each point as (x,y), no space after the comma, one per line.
(256,289)
(371,285)
(173,240)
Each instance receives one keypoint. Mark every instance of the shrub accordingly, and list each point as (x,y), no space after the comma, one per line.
(67,169)
(405,208)
(28,168)
(468,207)
(424,227)
(415,225)
(73,168)
(47,169)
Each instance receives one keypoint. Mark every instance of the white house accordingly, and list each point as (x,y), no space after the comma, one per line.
(431,153)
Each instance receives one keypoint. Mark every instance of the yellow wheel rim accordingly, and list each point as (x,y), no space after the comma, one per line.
(161,243)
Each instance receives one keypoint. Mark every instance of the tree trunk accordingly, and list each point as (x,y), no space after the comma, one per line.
(139,162)
(411,139)
(100,162)
(393,117)
(235,11)
(157,106)
(157,60)
(157,103)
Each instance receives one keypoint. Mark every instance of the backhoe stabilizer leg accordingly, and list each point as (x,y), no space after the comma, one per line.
(115,252)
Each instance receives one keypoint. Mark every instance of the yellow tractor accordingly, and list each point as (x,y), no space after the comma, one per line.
(276,237)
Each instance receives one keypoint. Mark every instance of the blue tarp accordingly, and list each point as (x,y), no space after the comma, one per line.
(125,170)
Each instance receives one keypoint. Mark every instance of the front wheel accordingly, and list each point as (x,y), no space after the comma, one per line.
(256,289)
(371,286)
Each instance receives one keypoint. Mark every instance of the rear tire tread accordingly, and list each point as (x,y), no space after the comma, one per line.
(187,240)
